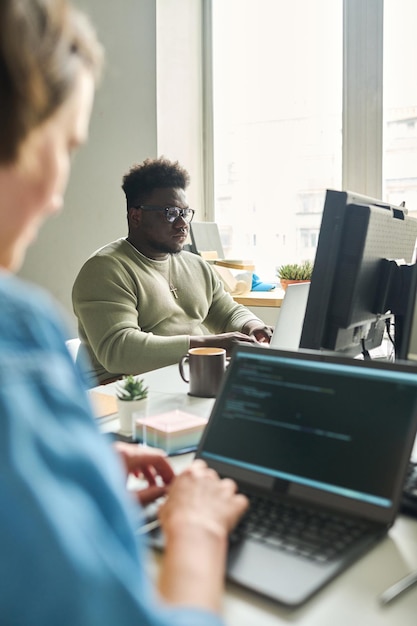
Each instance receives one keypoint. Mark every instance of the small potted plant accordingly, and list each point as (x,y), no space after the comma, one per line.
(132,398)
(294,273)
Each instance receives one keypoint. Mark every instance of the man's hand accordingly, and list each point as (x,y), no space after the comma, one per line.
(151,464)
(261,332)
(222,340)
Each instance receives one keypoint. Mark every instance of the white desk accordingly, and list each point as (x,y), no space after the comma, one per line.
(351,599)
(167,391)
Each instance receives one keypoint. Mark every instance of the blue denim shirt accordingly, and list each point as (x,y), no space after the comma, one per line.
(67,545)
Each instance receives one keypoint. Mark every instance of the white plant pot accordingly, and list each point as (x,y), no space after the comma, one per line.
(126,409)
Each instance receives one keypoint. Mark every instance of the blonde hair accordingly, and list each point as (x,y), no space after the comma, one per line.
(43,43)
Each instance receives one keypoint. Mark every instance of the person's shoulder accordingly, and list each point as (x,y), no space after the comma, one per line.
(196,263)
(28,310)
(18,294)
(112,254)
(114,249)
(190,258)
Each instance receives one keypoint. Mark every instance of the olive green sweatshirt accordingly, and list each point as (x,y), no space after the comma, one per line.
(136,314)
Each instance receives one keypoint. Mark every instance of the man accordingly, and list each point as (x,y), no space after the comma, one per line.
(142,302)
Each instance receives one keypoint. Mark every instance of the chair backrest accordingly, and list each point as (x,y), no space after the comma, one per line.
(73,346)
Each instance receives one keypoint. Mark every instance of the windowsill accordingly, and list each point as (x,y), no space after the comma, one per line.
(272,298)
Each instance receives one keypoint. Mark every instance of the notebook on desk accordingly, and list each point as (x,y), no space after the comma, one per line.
(326,435)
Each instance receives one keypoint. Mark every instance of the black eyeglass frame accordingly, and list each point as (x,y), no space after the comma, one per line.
(184,213)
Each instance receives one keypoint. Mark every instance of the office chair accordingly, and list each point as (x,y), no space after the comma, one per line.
(73,346)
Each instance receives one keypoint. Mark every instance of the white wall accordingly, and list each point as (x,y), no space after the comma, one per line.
(123,131)
(149,103)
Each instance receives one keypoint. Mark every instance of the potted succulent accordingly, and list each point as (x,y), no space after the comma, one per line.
(132,399)
(294,273)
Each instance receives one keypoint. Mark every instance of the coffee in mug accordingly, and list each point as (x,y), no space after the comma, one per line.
(206,370)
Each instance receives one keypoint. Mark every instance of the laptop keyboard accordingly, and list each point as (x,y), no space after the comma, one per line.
(294,528)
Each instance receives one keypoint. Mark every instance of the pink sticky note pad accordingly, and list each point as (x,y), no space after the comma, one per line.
(171,431)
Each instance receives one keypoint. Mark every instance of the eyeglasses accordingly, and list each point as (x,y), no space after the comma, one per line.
(172,213)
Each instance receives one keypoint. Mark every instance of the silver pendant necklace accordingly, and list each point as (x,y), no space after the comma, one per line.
(172,289)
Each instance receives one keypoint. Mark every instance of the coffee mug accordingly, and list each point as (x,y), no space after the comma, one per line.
(206,370)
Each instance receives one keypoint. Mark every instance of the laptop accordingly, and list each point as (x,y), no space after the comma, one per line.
(287,330)
(324,434)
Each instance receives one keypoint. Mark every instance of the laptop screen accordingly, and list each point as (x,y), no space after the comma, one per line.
(340,426)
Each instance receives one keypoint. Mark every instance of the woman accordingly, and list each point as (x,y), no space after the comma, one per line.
(68,551)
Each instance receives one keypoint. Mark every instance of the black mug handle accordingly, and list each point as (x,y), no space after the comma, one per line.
(184,359)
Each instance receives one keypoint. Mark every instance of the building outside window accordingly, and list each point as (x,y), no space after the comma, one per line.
(278,120)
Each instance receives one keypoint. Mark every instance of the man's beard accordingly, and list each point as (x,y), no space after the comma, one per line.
(162,247)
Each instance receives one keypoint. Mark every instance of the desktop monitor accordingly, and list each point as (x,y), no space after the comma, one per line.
(407,344)
(361,275)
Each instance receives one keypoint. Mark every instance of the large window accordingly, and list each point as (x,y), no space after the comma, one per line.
(277,92)
(297,102)
(400,103)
